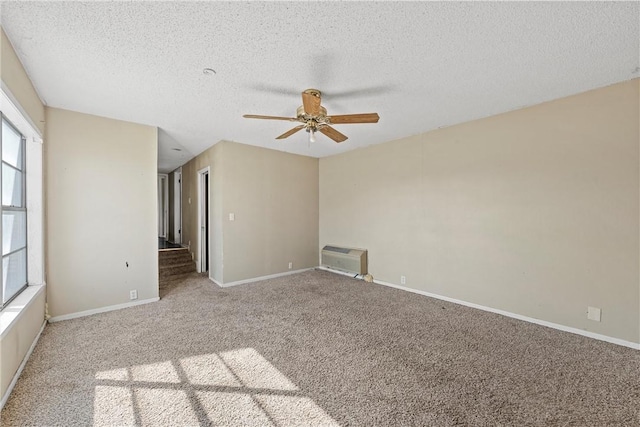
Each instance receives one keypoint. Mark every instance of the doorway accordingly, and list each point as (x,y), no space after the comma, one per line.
(203,220)
(177,206)
(163,205)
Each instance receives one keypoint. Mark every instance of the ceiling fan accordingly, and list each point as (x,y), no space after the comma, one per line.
(314,118)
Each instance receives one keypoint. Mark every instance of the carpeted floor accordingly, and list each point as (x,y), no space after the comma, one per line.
(318,349)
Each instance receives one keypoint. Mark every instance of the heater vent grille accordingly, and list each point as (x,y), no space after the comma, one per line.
(351,260)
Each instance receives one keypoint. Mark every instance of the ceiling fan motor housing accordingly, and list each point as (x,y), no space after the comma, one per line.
(314,92)
(310,121)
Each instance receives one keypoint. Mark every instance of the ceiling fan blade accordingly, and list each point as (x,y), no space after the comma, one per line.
(333,134)
(355,118)
(311,100)
(290,132)
(254,116)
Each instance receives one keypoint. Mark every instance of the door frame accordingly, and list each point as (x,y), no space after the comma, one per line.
(177,206)
(202,250)
(163,205)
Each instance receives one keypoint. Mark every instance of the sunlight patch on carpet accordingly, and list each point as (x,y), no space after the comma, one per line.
(295,411)
(255,371)
(236,409)
(208,369)
(155,372)
(233,388)
(165,407)
(112,406)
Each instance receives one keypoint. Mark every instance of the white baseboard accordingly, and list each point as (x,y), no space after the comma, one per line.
(557,326)
(257,279)
(560,327)
(12,384)
(101,310)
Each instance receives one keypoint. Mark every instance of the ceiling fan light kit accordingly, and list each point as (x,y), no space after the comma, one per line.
(314,118)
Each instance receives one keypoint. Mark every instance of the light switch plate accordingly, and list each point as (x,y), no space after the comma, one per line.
(232,217)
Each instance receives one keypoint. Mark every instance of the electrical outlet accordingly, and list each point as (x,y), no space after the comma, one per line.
(403,280)
(133,294)
(290,265)
(594,313)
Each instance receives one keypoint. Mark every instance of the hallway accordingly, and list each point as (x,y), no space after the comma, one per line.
(164,244)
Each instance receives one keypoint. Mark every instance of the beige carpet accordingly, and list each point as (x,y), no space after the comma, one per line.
(318,349)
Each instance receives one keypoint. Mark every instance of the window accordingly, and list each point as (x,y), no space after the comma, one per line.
(14,212)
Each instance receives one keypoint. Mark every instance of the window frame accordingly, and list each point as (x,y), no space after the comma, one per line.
(22,208)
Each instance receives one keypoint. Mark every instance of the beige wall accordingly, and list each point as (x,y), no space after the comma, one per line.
(17,339)
(101,211)
(274,197)
(17,82)
(211,158)
(534,212)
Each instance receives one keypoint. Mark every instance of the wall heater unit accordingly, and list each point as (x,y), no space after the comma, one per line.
(350,260)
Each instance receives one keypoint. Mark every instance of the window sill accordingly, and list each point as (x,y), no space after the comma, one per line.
(16,308)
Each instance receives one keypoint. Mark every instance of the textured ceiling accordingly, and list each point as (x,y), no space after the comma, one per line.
(421,66)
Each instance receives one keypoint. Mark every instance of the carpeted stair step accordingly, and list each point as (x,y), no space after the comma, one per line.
(173,255)
(172,270)
(174,264)
(175,260)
